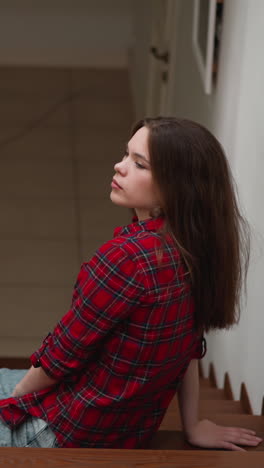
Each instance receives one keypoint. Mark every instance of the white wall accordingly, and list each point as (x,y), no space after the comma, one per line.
(248,167)
(65,32)
(234,112)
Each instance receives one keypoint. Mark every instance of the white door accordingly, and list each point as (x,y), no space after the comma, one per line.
(165,14)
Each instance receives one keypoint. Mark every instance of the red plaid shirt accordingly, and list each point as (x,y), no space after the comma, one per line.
(121,350)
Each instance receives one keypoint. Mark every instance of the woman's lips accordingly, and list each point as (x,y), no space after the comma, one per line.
(114,184)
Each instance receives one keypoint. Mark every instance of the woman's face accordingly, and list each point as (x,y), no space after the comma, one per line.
(132,185)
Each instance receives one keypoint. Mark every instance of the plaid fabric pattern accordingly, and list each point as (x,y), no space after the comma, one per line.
(121,351)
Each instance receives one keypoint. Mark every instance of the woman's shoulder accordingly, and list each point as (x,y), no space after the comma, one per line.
(135,242)
(142,246)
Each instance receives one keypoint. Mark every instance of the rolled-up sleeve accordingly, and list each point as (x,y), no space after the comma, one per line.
(106,291)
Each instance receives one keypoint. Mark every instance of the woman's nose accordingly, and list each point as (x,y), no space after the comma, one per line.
(120,167)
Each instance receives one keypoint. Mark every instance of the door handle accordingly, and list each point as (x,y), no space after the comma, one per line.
(163,57)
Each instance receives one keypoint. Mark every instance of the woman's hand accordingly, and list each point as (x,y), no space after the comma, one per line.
(209,435)
(33,381)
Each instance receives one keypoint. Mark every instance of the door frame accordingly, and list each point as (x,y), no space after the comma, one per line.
(171,37)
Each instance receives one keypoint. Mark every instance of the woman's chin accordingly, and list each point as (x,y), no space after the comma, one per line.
(115,199)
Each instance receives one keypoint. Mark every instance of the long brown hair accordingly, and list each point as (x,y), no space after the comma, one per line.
(198,198)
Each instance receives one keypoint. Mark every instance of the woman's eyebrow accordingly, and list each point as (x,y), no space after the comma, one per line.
(141,156)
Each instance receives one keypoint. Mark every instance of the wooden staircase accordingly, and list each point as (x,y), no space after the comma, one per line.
(219,406)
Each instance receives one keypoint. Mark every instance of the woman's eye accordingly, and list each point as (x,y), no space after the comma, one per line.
(140,166)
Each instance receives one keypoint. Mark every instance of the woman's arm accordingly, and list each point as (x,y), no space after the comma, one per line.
(80,332)
(34,380)
(107,290)
(189,398)
(205,433)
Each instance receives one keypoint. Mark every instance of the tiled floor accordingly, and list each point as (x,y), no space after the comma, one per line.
(60,133)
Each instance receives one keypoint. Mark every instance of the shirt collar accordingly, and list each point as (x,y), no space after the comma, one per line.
(150,224)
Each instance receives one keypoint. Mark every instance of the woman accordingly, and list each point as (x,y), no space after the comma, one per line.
(131,340)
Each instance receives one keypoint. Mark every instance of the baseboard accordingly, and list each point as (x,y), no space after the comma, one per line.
(14,363)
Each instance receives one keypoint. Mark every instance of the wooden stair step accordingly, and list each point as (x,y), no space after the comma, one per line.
(205,383)
(207,409)
(172,421)
(170,440)
(249,421)
(212,394)
(114,458)
(174,440)
(210,406)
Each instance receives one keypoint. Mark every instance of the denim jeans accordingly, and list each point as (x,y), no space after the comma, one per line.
(33,432)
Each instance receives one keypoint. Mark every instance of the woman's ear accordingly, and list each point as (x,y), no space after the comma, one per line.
(156,211)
